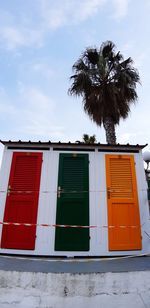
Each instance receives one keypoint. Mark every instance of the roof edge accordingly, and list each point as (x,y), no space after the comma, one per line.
(73,144)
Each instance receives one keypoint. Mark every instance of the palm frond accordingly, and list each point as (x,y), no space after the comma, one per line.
(79,66)
(92,56)
(107,49)
(81,83)
(126,62)
(106,82)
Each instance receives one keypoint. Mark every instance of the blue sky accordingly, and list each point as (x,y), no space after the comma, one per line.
(39,42)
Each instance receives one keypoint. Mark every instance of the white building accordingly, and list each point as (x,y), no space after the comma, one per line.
(73,199)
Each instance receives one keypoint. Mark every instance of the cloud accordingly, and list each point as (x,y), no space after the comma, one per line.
(37,113)
(42,69)
(6,107)
(121,8)
(126,137)
(68,12)
(12,37)
(140,58)
(131,137)
(47,16)
(32,111)
(88,8)
(16,32)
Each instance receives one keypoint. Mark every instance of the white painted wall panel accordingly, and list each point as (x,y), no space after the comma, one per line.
(97,201)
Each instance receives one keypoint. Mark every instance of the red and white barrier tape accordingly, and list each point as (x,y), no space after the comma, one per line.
(11,191)
(62,226)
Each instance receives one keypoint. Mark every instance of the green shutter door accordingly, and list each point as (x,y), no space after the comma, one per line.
(73,203)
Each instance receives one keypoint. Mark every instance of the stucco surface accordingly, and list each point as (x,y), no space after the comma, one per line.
(69,290)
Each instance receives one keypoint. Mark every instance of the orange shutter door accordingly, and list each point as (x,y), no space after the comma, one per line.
(22,201)
(123,210)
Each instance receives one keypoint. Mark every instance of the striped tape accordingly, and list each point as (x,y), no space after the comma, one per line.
(47,191)
(62,226)
(11,191)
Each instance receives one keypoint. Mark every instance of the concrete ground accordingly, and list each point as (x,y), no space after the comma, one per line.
(83,283)
(74,265)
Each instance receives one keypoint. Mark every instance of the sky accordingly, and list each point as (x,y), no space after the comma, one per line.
(40,40)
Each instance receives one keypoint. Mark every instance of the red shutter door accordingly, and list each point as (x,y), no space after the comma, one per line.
(22,201)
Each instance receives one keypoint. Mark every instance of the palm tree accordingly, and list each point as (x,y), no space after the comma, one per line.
(89,139)
(107,84)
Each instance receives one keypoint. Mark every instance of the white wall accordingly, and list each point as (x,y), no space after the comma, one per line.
(97,290)
(98,204)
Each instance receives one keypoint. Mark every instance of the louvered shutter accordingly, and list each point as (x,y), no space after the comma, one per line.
(121,178)
(73,174)
(73,203)
(25,173)
(22,201)
(123,209)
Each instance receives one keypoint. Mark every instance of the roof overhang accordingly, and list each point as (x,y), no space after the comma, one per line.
(74,146)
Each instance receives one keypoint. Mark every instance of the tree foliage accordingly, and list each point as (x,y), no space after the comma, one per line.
(106,82)
(89,139)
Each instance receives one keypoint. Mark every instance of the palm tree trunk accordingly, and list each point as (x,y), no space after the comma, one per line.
(110,130)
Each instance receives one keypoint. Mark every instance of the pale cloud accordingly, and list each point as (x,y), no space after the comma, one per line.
(86,9)
(6,107)
(126,137)
(38,113)
(36,106)
(35,99)
(13,37)
(131,137)
(43,69)
(50,15)
(139,59)
(33,112)
(48,132)
(128,47)
(121,8)
(147,2)
(68,12)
